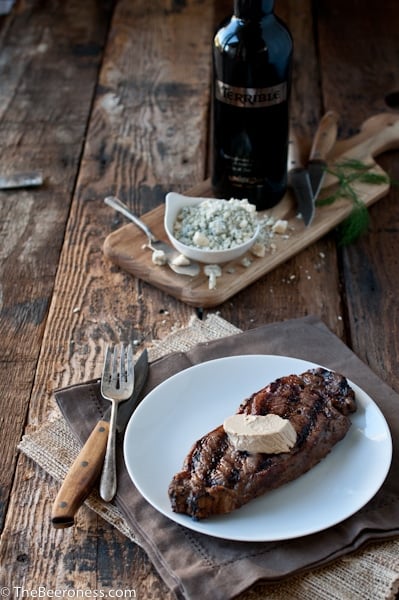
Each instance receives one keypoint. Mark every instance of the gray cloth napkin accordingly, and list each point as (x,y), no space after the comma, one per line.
(194,565)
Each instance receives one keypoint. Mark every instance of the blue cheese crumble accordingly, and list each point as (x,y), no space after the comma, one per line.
(216,224)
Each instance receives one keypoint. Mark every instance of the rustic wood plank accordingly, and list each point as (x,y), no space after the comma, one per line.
(139,153)
(48,74)
(358,86)
(136,147)
(358,53)
(152,107)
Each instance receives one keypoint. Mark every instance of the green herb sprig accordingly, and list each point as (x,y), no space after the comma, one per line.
(347,173)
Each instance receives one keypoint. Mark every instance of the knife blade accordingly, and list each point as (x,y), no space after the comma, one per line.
(20,180)
(86,468)
(323,142)
(299,180)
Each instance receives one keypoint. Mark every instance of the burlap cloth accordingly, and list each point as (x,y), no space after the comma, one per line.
(196,566)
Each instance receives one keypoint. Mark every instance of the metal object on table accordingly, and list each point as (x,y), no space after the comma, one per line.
(84,472)
(299,180)
(306,180)
(6,6)
(323,142)
(117,385)
(170,253)
(20,180)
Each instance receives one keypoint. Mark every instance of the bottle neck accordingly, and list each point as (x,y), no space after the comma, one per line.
(253,9)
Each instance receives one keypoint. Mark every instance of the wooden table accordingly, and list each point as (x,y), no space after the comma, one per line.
(113,97)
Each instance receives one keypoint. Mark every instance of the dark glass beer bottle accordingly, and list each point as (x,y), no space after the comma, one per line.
(252,61)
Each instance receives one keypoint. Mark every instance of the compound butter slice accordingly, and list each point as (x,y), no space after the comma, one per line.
(270,434)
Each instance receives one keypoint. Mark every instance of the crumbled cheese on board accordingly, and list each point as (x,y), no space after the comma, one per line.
(159,257)
(258,249)
(181,261)
(212,271)
(246,262)
(280,226)
(216,224)
(269,230)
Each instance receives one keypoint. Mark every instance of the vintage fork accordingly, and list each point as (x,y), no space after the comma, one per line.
(117,385)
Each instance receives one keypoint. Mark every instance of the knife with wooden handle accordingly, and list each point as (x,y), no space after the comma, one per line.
(378,134)
(85,470)
(323,142)
(299,180)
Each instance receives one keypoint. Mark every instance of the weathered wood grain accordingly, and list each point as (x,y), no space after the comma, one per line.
(358,50)
(144,132)
(360,70)
(137,147)
(48,73)
(149,126)
(147,134)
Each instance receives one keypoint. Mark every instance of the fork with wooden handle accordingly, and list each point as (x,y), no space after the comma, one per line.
(117,385)
(85,470)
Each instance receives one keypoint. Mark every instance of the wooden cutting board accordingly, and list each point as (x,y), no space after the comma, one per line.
(125,247)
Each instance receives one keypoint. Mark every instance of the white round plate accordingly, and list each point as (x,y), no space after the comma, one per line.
(185,407)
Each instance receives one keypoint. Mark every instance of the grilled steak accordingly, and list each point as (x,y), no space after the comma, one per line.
(217,479)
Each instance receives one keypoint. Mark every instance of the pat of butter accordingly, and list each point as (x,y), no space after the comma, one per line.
(270,434)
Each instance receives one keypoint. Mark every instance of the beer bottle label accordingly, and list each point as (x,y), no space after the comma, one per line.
(251,97)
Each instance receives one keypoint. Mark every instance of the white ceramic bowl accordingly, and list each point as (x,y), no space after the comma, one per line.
(173,204)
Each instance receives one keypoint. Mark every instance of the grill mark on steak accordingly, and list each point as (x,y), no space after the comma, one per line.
(217,479)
